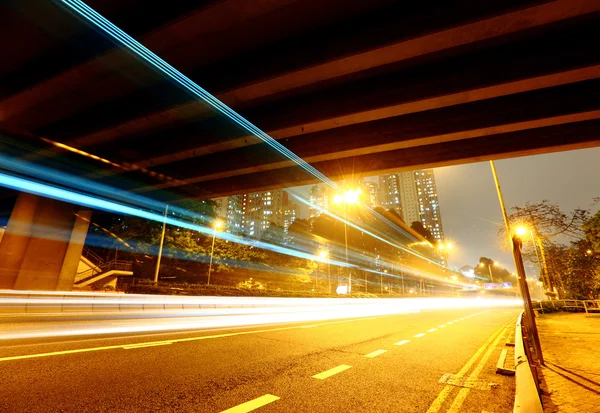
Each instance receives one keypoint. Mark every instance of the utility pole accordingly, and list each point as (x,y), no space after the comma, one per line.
(160,248)
(516,243)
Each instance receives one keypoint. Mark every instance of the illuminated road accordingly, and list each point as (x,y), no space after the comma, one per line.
(388,363)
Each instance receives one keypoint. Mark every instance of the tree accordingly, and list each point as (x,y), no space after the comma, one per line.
(591,230)
(582,276)
(498,274)
(547,222)
(418,227)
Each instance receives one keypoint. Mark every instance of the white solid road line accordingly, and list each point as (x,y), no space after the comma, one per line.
(419,335)
(143,345)
(375,353)
(331,372)
(252,404)
(401,343)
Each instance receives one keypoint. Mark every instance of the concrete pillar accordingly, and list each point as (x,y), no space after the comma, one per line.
(74,250)
(16,237)
(45,253)
(42,245)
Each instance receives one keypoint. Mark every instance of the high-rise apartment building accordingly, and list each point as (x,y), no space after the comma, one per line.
(318,195)
(252,214)
(389,192)
(370,192)
(414,196)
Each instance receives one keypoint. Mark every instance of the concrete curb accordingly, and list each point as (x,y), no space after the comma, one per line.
(527,398)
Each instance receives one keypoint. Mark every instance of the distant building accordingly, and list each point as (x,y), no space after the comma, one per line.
(414,196)
(429,207)
(289,212)
(389,192)
(370,193)
(318,195)
(252,214)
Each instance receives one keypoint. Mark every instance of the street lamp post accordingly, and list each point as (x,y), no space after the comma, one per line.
(530,321)
(515,240)
(218,224)
(160,248)
(445,248)
(324,254)
(349,197)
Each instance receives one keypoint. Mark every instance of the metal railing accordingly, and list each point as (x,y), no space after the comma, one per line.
(92,256)
(116,265)
(527,391)
(590,307)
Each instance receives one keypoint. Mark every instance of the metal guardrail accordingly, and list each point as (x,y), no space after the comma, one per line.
(590,307)
(32,302)
(527,395)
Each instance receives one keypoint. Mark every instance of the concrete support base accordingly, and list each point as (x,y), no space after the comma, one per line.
(42,244)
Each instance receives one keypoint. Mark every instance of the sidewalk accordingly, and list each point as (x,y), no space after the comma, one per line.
(571,347)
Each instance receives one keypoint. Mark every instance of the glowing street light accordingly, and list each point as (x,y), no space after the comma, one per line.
(521,231)
(216,226)
(494,263)
(444,250)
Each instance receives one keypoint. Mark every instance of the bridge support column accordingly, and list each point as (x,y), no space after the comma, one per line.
(42,244)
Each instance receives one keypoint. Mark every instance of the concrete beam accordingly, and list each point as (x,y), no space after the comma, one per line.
(442,41)
(468,96)
(402,144)
(507,145)
(208,21)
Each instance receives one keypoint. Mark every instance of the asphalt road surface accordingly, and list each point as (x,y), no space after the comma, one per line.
(394,363)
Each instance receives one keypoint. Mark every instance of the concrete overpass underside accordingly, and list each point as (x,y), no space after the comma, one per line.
(355,88)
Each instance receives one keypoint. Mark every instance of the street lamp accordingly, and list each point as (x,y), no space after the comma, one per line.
(517,242)
(349,197)
(217,225)
(495,264)
(444,250)
(324,254)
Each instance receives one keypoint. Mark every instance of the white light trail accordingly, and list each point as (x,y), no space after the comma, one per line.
(169,313)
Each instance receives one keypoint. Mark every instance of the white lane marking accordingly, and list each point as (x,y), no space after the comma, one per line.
(401,343)
(456,321)
(442,326)
(331,372)
(431,330)
(252,404)
(449,323)
(375,353)
(419,335)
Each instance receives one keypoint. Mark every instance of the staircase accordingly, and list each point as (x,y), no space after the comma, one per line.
(99,270)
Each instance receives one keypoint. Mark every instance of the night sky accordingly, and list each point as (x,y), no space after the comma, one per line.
(469,204)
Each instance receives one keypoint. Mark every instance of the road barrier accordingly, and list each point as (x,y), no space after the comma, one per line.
(590,307)
(30,302)
(527,396)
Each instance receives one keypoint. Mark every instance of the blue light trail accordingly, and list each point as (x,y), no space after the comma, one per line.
(138,49)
